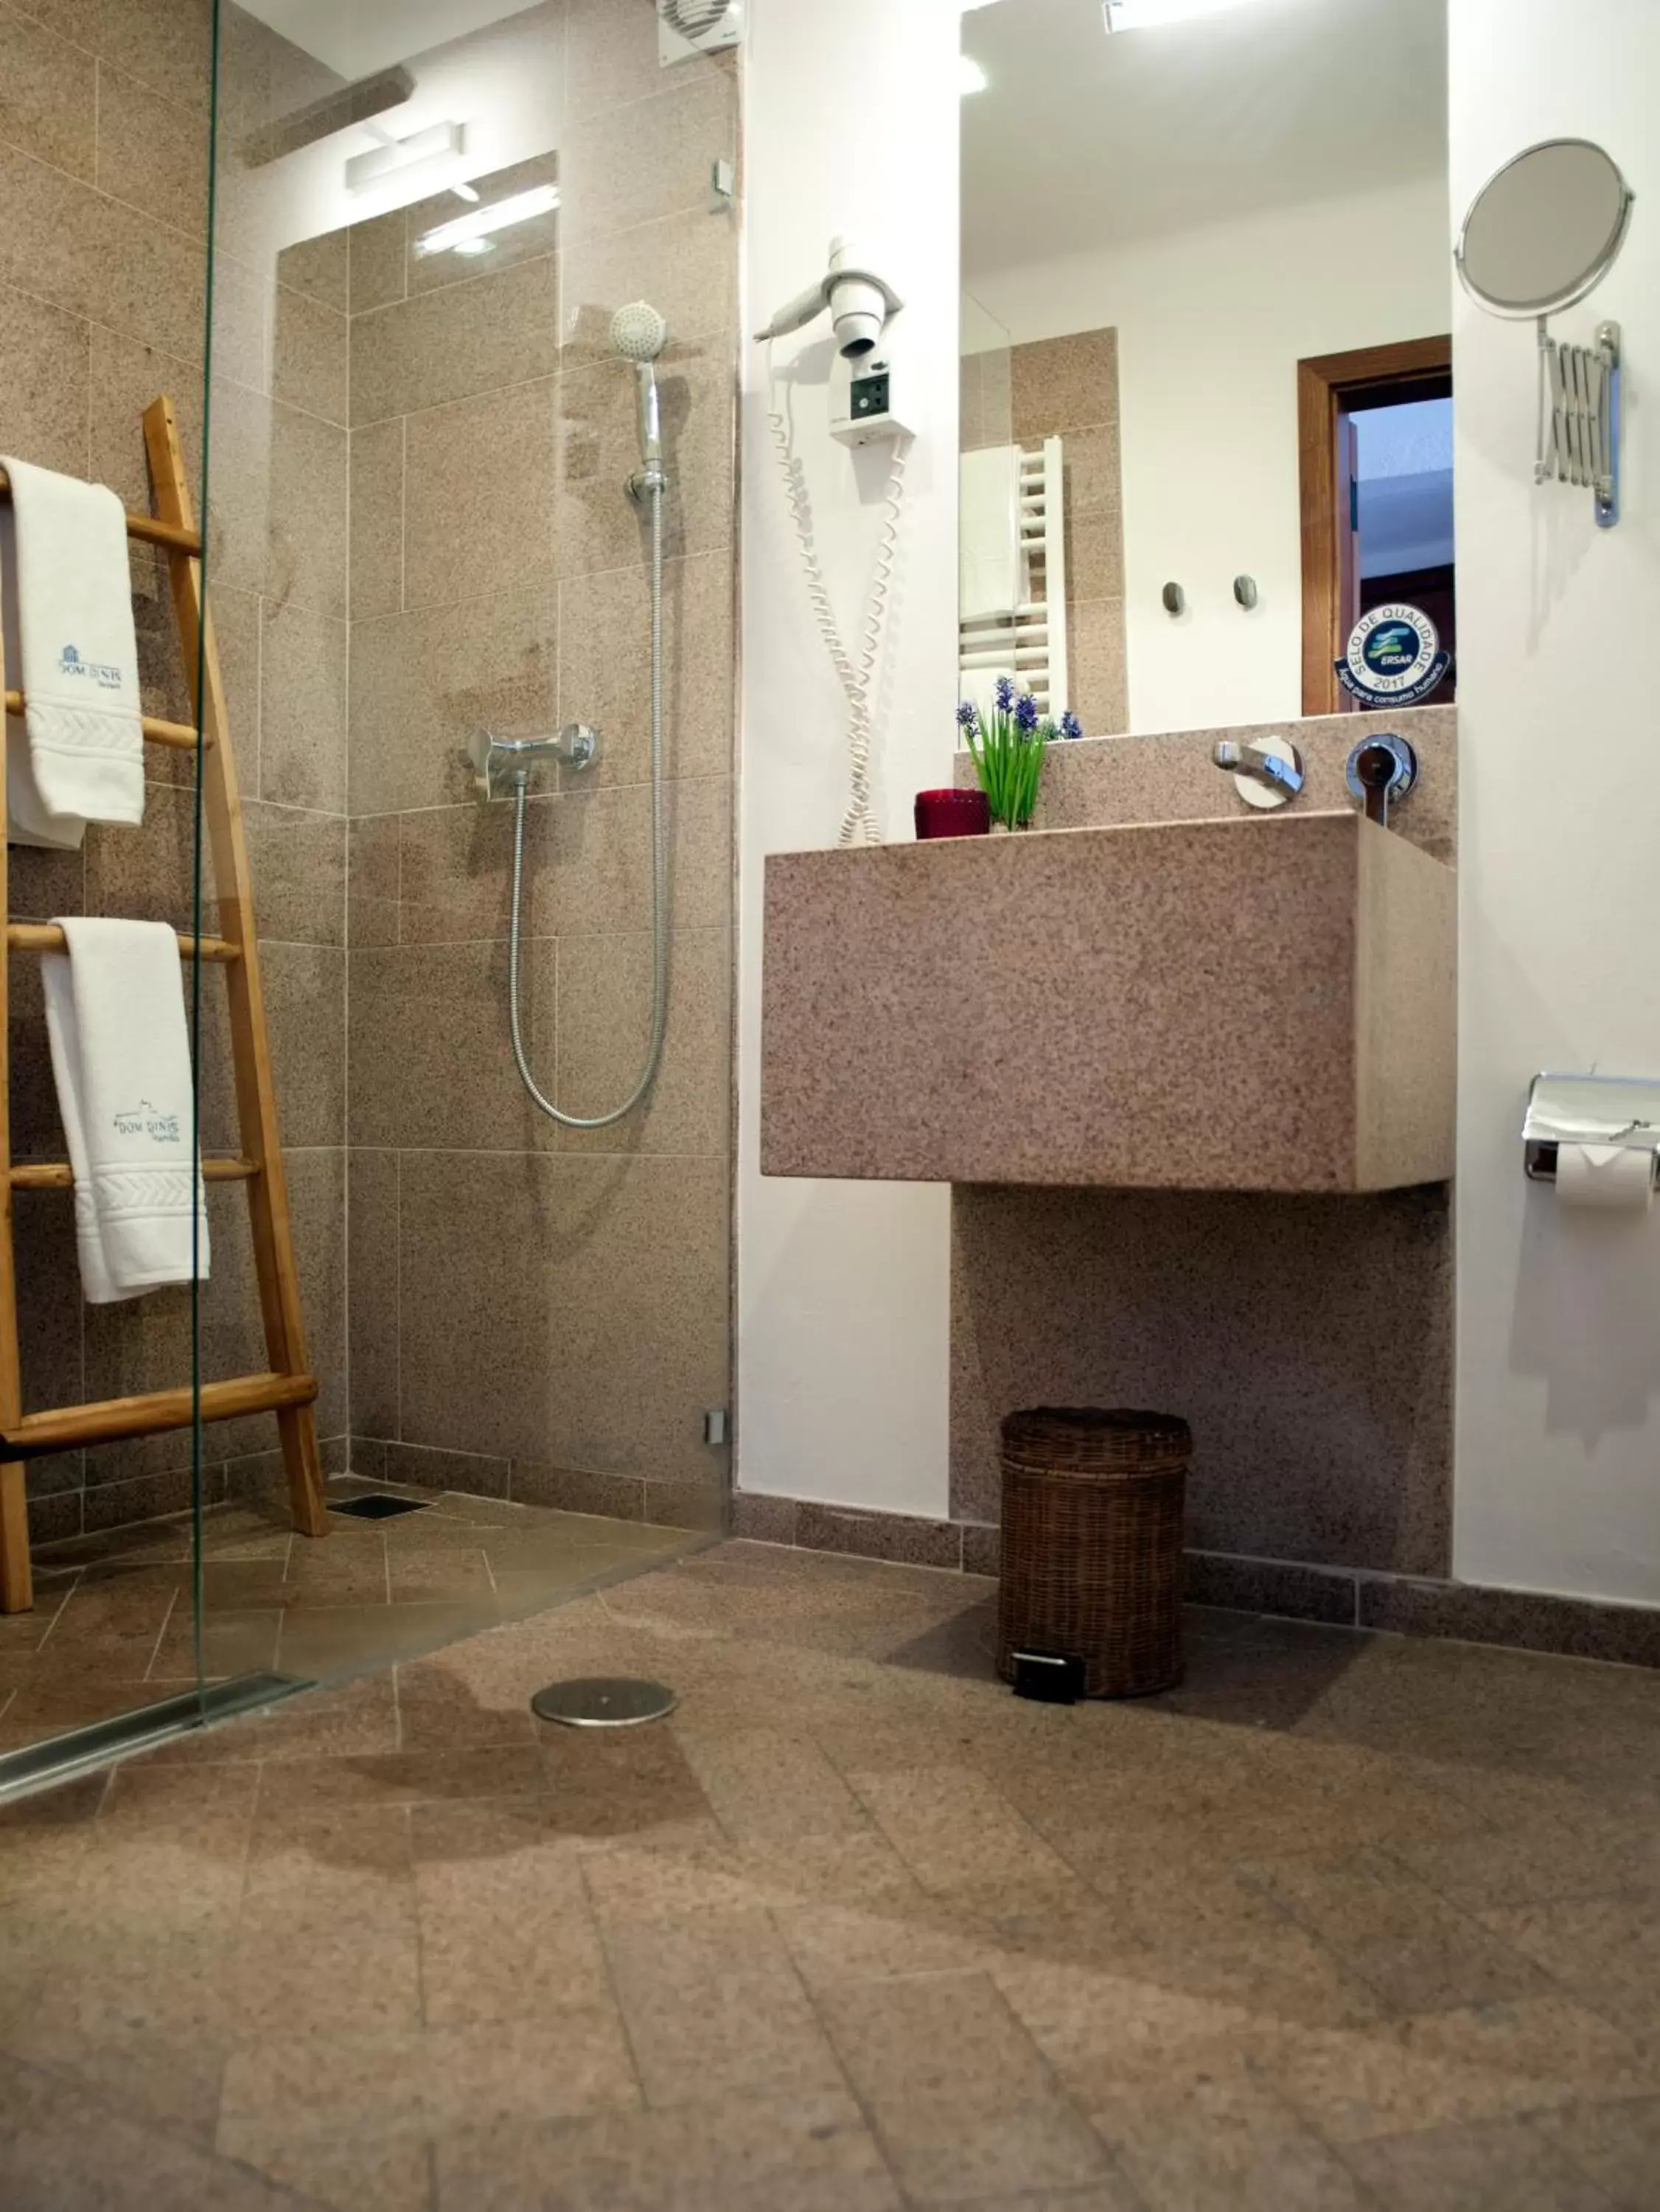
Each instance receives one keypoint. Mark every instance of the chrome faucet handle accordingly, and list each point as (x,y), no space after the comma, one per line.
(497,760)
(1382,770)
(1263,777)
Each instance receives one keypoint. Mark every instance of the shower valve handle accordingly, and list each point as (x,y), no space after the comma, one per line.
(500,762)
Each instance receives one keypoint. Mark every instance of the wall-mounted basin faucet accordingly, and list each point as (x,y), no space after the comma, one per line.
(1267,774)
(1382,769)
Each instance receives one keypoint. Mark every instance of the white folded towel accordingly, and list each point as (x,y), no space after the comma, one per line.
(120,1052)
(991,577)
(71,646)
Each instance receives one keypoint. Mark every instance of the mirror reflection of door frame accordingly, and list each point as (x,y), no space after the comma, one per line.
(1329,387)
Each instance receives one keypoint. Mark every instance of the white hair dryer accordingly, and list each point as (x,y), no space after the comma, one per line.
(859,301)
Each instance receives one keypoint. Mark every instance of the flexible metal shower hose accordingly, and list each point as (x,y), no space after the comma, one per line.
(659,885)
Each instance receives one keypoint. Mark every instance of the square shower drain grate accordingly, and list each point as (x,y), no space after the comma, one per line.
(380,1505)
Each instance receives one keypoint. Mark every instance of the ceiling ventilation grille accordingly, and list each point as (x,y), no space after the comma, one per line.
(696,27)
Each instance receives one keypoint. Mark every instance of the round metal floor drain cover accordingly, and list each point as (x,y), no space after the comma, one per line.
(603,1701)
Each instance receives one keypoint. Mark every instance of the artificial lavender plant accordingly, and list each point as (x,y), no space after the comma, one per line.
(1008,748)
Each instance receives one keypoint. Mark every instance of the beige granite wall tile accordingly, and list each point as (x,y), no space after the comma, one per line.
(611,55)
(478,503)
(82,251)
(495,436)
(372,879)
(299,863)
(1257,1319)
(125,375)
(455,879)
(683,263)
(1097,676)
(310,354)
(376,519)
(601,995)
(48,96)
(614,177)
(302,708)
(372,1217)
(152,152)
(495,328)
(616,1333)
(599,450)
(421,683)
(167,44)
(970,382)
(604,680)
(109,312)
(44,394)
(429,1062)
(305,1012)
(320,268)
(1172,778)
(377,261)
(1064,384)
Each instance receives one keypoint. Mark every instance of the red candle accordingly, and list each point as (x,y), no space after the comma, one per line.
(953,814)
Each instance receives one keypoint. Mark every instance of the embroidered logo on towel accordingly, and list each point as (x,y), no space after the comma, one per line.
(147,1121)
(103,673)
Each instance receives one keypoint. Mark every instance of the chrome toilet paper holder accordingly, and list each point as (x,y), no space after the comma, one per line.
(1622,1111)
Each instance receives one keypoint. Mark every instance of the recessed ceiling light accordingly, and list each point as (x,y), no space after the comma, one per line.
(970,77)
(1149,14)
(468,234)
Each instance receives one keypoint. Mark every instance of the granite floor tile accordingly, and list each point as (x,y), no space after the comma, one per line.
(1618,2145)
(1418,1953)
(1223,2144)
(1449,2069)
(714,2007)
(506,1929)
(397,1947)
(961,2100)
(1605,1949)
(956,1831)
(1502,2165)
(808,2154)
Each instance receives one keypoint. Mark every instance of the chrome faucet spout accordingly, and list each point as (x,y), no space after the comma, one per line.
(1280,775)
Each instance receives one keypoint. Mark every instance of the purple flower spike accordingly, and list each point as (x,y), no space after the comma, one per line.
(966,714)
(1005,692)
(1070,725)
(1026,712)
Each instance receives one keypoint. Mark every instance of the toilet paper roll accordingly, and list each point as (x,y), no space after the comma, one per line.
(1606,1178)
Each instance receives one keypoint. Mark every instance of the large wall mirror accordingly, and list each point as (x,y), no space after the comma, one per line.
(1207,384)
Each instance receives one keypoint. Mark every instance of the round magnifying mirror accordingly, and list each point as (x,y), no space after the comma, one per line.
(1544,229)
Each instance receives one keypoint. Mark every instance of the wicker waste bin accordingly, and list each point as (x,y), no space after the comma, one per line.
(1092,1545)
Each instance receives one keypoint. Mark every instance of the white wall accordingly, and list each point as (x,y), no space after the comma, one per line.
(1558,1320)
(850,124)
(1211,325)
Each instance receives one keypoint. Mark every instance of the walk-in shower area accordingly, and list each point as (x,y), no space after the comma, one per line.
(446,323)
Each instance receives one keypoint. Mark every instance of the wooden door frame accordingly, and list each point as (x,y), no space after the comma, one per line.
(1327,385)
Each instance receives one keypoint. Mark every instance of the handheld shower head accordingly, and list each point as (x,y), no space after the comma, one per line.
(639,334)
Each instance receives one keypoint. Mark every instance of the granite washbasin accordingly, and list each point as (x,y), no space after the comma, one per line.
(1242,1004)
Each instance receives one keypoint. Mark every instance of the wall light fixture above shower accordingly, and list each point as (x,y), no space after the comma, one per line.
(1153,15)
(472,234)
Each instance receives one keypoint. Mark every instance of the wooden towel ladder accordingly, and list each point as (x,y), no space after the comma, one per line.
(286,1388)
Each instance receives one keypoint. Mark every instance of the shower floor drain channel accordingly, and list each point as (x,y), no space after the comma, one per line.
(380,1505)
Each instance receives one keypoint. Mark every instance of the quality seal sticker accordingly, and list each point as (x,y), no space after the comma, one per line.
(1395,657)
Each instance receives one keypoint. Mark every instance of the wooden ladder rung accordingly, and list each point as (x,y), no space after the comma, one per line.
(47,937)
(146,527)
(107,1420)
(57,1174)
(179,735)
